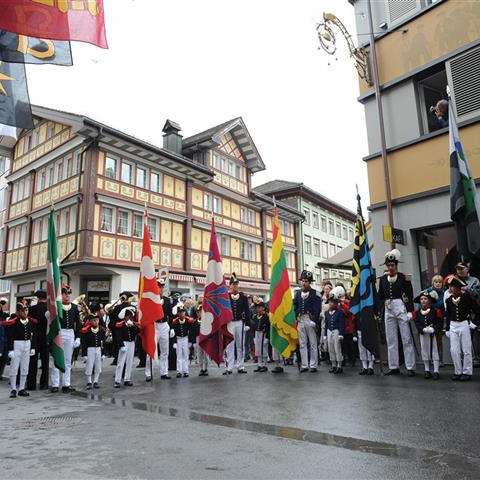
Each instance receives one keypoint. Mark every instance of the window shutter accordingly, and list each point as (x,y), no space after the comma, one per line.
(398,10)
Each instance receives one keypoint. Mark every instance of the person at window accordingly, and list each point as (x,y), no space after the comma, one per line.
(440,111)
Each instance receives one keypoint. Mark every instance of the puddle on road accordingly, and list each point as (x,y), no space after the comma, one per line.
(458,463)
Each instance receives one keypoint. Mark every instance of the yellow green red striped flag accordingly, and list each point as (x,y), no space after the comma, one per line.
(283,332)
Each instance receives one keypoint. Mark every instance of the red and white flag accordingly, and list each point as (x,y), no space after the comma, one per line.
(216,306)
(149,301)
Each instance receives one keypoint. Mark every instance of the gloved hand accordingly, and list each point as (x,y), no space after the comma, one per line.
(429,330)
(128,323)
(409,316)
(311,323)
(103,356)
(189,345)
(325,338)
(123,349)
(247,328)
(340,337)
(355,339)
(76,343)
(447,333)
(472,326)
(85,358)
(10,354)
(32,352)
(172,333)
(174,346)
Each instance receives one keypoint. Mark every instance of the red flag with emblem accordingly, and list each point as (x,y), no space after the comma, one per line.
(149,300)
(81,20)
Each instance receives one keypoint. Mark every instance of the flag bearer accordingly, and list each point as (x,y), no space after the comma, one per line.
(459,308)
(397,293)
(181,325)
(93,338)
(127,333)
(307,304)
(262,335)
(20,343)
(429,322)
(334,332)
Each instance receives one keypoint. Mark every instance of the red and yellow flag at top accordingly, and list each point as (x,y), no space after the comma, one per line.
(150,306)
(78,20)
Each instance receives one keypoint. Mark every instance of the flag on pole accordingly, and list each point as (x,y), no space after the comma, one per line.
(81,20)
(54,297)
(363,291)
(464,199)
(216,308)
(16,48)
(150,306)
(283,332)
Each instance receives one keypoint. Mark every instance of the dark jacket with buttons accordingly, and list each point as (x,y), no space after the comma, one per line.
(401,289)
(126,333)
(16,330)
(182,329)
(240,308)
(70,319)
(461,311)
(433,319)
(335,320)
(311,305)
(92,339)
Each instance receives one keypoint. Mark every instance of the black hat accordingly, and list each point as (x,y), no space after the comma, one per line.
(260,304)
(393,256)
(126,293)
(161,282)
(306,275)
(20,307)
(462,265)
(176,293)
(233,278)
(432,295)
(92,317)
(332,297)
(66,289)
(40,294)
(95,307)
(454,281)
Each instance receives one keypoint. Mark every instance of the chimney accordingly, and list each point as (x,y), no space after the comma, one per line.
(172,140)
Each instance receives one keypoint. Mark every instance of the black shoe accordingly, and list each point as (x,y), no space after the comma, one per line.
(24,393)
(463,378)
(393,371)
(333,370)
(436,376)
(364,371)
(258,369)
(13,394)
(96,385)
(67,389)
(140,365)
(117,385)
(179,375)
(185,375)
(148,379)
(277,370)
(456,377)
(264,369)
(427,375)
(54,390)
(303,370)
(338,370)
(205,373)
(128,383)
(227,372)
(242,370)
(370,371)
(165,377)
(89,386)
(410,373)
(313,370)
(201,373)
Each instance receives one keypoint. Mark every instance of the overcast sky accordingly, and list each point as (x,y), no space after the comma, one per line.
(202,62)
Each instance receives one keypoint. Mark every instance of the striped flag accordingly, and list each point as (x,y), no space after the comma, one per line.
(283,332)
(54,297)
(149,302)
(464,199)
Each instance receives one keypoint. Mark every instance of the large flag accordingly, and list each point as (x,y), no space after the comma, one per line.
(16,48)
(364,291)
(217,316)
(54,297)
(150,306)
(81,20)
(464,199)
(14,100)
(283,332)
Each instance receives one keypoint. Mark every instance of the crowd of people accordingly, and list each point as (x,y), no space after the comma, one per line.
(327,330)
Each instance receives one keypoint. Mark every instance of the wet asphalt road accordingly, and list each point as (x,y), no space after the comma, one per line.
(310,425)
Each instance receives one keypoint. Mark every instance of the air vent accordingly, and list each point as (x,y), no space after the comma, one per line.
(465,83)
(398,9)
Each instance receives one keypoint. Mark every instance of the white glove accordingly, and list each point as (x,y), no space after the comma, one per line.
(32,352)
(430,330)
(247,328)
(174,346)
(325,338)
(85,358)
(355,339)
(10,354)
(447,333)
(103,356)
(189,345)
(409,316)
(128,323)
(76,343)
(340,337)
(472,326)
(311,323)
(172,333)
(123,349)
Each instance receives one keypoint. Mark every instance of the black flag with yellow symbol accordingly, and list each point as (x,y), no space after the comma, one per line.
(15,107)
(16,48)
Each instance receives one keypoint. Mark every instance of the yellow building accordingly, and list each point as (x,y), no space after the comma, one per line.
(100,179)
(422,46)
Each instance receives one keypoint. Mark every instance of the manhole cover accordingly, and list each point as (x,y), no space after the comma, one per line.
(47,422)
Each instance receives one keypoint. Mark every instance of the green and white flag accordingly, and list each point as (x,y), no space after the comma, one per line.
(54,297)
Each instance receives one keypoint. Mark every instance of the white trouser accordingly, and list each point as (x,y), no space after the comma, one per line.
(261,348)
(162,331)
(125,357)
(182,354)
(428,343)
(276,357)
(395,318)
(306,331)
(20,360)
(94,359)
(202,358)
(236,344)
(334,347)
(461,344)
(365,356)
(68,338)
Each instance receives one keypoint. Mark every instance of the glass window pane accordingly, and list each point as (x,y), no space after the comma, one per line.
(122,223)
(107,219)
(137,226)
(126,172)
(111,167)
(141,177)
(152,227)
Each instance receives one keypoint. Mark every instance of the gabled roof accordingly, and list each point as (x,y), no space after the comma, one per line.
(283,188)
(211,138)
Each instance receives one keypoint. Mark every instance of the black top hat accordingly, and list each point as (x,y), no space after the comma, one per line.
(40,294)
(432,295)
(306,275)
(454,281)
(95,307)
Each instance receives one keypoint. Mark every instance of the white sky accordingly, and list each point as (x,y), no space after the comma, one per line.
(202,62)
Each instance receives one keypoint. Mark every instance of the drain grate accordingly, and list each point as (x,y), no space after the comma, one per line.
(44,423)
